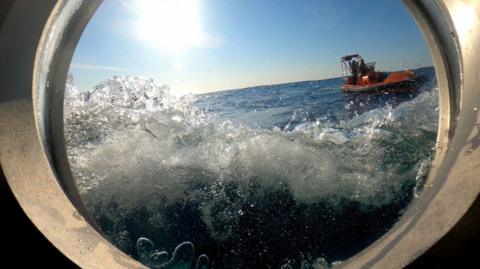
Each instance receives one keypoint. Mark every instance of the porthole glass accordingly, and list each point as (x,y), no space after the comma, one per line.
(247,134)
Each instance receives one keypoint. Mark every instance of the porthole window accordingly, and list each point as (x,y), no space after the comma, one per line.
(239,134)
(227,131)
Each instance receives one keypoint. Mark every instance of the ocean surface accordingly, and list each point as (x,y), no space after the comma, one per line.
(296,175)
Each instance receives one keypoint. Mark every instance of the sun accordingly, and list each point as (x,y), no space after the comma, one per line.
(171,25)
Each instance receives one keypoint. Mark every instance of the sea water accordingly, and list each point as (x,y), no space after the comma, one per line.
(295,175)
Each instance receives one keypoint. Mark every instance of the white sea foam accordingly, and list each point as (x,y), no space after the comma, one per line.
(134,135)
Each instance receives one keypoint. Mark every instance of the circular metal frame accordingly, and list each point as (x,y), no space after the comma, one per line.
(37,41)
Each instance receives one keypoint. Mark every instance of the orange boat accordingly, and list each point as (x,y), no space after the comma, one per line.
(364,78)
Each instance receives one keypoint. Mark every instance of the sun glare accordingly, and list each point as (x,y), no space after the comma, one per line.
(171,25)
(467,19)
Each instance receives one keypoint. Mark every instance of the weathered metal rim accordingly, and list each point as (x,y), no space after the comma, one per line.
(33,156)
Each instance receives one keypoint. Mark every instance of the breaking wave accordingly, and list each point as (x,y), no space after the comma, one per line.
(150,164)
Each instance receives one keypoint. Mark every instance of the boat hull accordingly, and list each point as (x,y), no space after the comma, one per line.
(392,87)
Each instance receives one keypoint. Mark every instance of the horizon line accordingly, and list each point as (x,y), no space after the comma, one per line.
(291,82)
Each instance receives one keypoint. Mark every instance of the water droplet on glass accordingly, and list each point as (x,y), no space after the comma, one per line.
(144,248)
(202,262)
(183,253)
(158,258)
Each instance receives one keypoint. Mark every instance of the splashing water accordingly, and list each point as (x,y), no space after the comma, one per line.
(281,176)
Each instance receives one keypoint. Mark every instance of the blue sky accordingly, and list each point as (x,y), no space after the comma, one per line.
(209,45)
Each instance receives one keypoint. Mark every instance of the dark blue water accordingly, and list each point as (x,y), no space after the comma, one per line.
(296,175)
(287,105)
